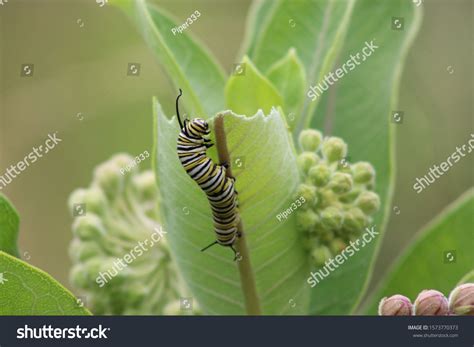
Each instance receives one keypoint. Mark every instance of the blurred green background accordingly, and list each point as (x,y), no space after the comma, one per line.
(80,88)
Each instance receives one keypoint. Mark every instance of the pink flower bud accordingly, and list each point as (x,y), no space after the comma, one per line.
(396,305)
(461,300)
(431,303)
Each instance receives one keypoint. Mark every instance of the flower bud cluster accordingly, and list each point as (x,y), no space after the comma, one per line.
(431,303)
(118,213)
(340,200)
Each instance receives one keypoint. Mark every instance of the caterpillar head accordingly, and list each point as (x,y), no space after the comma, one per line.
(201,126)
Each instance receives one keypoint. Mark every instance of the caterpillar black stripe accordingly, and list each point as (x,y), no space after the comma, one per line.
(211,178)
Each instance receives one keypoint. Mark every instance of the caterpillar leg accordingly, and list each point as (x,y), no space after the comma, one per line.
(212,244)
(236,254)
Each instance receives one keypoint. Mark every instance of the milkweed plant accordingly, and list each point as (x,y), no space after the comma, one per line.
(313,172)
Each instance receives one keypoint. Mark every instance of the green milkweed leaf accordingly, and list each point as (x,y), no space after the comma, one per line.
(259,13)
(266,177)
(9,222)
(190,66)
(248,90)
(288,76)
(315,29)
(26,290)
(357,108)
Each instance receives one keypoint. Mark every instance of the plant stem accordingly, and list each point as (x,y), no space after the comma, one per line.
(247,279)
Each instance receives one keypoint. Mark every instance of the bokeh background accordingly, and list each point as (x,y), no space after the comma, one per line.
(80,88)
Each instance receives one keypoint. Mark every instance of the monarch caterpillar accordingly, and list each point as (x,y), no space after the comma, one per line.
(211,178)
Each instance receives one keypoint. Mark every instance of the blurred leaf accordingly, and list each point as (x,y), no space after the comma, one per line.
(357,108)
(265,182)
(26,290)
(9,222)
(189,65)
(288,76)
(316,30)
(248,90)
(259,11)
(427,263)
(467,278)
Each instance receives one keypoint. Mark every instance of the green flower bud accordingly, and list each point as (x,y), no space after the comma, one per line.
(396,305)
(88,227)
(363,172)
(100,304)
(308,242)
(370,186)
(461,300)
(306,160)
(308,193)
(334,149)
(82,251)
(337,245)
(318,225)
(331,218)
(350,196)
(93,198)
(313,241)
(326,198)
(431,303)
(144,185)
(341,183)
(76,197)
(95,201)
(136,292)
(117,300)
(110,270)
(320,255)
(354,220)
(172,309)
(368,202)
(343,168)
(306,219)
(310,140)
(92,268)
(134,311)
(319,175)
(77,276)
(325,235)
(109,178)
(125,163)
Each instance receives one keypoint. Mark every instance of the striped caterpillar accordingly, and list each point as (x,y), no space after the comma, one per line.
(192,145)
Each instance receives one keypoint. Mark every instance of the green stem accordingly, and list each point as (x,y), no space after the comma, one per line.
(247,279)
